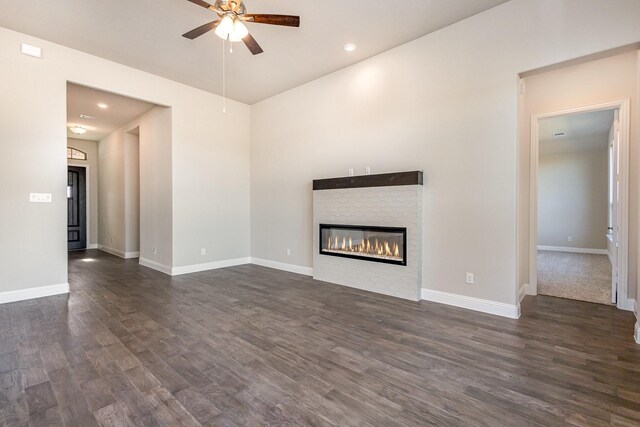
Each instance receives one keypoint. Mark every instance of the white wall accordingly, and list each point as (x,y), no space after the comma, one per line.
(111,229)
(208,160)
(573,194)
(637,295)
(157,223)
(447,104)
(608,79)
(132,192)
(124,172)
(91,148)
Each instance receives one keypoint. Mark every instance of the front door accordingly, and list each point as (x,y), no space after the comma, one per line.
(76,208)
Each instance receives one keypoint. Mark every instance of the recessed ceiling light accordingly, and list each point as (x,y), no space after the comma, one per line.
(78,130)
(103,106)
(350,47)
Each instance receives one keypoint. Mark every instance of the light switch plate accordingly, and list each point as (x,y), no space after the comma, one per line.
(40,197)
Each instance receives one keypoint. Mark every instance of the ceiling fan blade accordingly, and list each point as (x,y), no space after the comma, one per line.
(286,20)
(197,32)
(252,44)
(201,3)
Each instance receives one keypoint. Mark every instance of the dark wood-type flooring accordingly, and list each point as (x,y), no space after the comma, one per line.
(249,346)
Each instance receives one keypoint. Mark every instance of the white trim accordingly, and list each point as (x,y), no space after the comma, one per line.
(92,246)
(573,250)
(30,293)
(628,304)
(194,268)
(623,232)
(119,253)
(111,251)
(155,265)
(491,307)
(523,292)
(307,271)
(636,333)
(529,290)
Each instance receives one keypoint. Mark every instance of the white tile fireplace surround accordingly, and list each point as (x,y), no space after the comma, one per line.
(387,200)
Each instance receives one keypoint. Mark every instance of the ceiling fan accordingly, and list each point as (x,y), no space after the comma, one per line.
(232,15)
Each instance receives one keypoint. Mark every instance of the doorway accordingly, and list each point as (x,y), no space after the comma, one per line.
(579,199)
(76,208)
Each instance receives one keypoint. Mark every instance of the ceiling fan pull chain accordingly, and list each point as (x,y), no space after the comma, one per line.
(224,79)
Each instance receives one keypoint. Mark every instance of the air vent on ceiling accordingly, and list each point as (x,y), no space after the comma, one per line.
(557,134)
(84,116)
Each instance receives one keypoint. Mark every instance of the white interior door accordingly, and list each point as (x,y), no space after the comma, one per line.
(614,201)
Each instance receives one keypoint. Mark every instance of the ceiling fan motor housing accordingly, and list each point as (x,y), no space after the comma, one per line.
(236,7)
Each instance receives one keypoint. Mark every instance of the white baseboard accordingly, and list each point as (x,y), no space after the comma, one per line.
(523,291)
(573,250)
(194,268)
(92,246)
(529,289)
(628,304)
(119,253)
(307,271)
(636,333)
(30,293)
(491,307)
(111,251)
(155,265)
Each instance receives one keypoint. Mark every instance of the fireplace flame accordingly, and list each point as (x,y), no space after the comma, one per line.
(373,247)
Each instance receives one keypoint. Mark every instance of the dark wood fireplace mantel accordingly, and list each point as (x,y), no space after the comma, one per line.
(362,181)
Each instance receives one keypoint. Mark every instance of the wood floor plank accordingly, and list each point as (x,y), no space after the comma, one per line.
(71,403)
(249,345)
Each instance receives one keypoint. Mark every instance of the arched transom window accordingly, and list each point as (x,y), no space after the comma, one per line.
(74,154)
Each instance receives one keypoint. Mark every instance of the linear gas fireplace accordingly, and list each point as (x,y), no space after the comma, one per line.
(378,244)
(391,202)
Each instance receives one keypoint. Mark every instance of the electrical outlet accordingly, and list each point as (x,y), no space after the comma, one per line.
(288,252)
(469,278)
(203,251)
(570,239)
(367,170)
(351,172)
(155,251)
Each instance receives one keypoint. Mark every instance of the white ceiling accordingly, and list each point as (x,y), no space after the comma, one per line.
(146,34)
(585,131)
(83,100)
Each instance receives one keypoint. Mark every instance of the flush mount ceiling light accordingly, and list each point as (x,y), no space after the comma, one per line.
(78,130)
(350,47)
(103,106)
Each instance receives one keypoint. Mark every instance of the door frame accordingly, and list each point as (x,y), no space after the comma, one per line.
(77,164)
(623,233)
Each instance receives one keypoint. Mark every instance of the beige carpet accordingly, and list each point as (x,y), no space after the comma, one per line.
(583,277)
